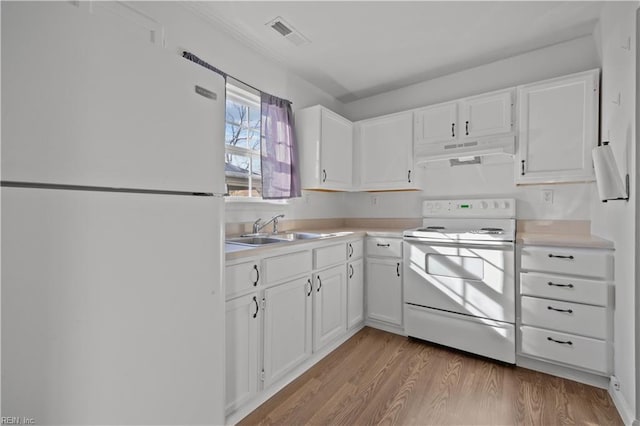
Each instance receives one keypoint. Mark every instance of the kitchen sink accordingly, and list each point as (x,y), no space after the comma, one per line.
(253,241)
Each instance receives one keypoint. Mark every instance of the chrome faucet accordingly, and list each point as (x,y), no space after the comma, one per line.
(257,226)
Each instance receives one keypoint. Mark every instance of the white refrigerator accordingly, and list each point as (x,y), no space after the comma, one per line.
(112,222)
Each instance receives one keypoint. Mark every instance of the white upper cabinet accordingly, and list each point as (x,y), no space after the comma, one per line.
(558,121)
(437,123)
(475,117)
(385,152)
(486,115)
(325,142)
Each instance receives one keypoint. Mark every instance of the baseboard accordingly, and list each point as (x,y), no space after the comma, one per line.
(590,379)
(623,408)
(385,327)
(265,394)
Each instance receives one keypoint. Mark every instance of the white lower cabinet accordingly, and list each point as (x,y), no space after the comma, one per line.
(287,327)
(565,307)
(329,306)
(355,293)
(241,342)
(284,306)
(384,290)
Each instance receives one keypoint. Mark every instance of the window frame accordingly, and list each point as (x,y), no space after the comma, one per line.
(243,95)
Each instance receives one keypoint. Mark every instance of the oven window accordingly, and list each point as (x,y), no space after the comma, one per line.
(465,267)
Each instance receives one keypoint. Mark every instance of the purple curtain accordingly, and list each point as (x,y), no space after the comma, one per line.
(280,173)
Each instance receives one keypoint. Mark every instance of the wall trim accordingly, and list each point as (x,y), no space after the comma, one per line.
(622,406)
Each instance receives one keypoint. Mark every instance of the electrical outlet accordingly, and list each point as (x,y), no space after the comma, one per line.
(547,196)
(615,383)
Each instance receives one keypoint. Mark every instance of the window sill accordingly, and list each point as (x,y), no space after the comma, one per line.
(253,200)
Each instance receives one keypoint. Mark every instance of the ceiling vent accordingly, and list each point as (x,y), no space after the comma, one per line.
(287,31)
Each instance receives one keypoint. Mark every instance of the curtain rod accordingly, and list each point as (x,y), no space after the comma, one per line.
(193,58)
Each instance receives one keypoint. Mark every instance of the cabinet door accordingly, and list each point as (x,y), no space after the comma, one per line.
(384,290)
(386,152)
(355,293)
(558,129)
(287,327)
(242,320)
(336,151)
(486,115)
(330,306)
(437,123)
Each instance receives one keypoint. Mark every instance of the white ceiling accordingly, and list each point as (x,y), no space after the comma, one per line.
(364,48)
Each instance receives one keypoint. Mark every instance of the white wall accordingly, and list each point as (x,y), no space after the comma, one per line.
(186,30)
(495,177)
(564,58)
(616,220)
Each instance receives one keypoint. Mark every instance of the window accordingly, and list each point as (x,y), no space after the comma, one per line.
(242,141)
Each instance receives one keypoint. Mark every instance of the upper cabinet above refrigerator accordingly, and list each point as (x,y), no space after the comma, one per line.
(90,99)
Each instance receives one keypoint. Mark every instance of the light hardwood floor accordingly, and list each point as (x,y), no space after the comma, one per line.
(381,378)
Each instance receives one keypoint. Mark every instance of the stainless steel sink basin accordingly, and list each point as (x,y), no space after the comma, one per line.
(253,241)
(294,236)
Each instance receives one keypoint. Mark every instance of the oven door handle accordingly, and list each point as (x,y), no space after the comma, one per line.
(497,245)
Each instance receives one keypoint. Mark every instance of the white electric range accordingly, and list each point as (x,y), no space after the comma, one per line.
(459,276)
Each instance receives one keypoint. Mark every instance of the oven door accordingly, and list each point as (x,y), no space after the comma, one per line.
(470,279)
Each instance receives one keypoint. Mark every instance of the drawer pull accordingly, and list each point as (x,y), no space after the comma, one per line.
(350,251)
(562,342)
(383,245)
(255,283)
(551,308)
(561,257)
(560,285)
(398,268)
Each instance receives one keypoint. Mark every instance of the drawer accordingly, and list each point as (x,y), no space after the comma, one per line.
(330,255)
(380,246)
(575,318)
(355,249)
(573,261)
(582,352)
(290,265)
(564,288)
(241,277)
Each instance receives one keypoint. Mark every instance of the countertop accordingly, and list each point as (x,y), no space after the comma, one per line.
(237,251)
(563,240)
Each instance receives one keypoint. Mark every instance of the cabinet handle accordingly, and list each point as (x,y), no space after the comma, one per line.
(409,176)
(350,250)
(383,245)
(551,308)
(560,285)
(319,284)
(310,287)
(560,257)
(255,314)
(453,130)
(350,271)
(255,283)
(522,170)
(567,342)
(398,268)
(324,175)
(467,128)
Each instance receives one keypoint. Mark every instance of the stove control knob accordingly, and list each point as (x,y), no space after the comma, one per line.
(496,205)
(505,204)
(437,206)
(483,205)
(429,206)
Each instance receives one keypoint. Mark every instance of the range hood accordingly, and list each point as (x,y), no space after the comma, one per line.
(425,152)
